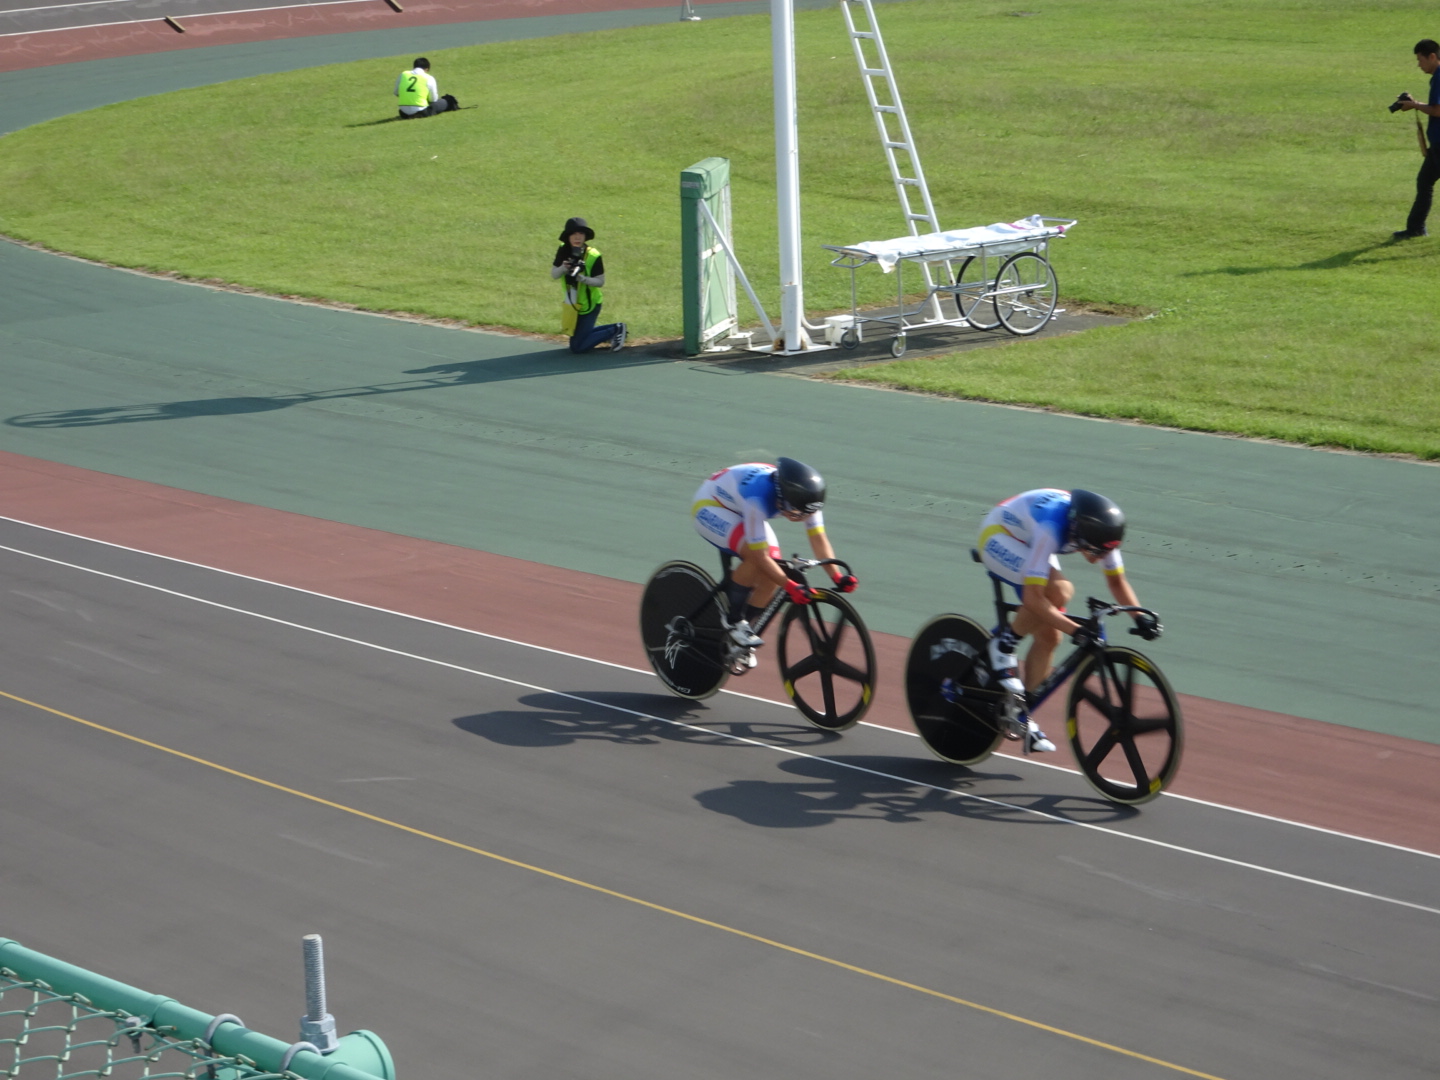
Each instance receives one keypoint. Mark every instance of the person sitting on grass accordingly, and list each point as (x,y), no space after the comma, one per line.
(418,94)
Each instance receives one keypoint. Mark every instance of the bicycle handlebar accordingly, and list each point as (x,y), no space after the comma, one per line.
(1103,609)
(795,565)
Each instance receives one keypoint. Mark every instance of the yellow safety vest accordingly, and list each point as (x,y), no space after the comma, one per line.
(414,88)
(587,297)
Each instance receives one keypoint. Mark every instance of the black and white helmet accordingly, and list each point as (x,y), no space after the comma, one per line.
(1096,525)
(799,488)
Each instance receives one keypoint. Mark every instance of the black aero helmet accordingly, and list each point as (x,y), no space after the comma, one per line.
(801,488)
(1096,523)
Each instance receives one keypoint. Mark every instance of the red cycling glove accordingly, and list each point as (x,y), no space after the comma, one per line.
(799,594)
(846,583)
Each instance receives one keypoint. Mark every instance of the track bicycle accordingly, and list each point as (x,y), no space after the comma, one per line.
(1121,718)
(826,659)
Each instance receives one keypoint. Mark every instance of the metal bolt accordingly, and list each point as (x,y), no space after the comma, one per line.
(316,1026)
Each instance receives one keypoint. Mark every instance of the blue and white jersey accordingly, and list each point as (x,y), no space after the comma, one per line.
(733,508)
(1021,538)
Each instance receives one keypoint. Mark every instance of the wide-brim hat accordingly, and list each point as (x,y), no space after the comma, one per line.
(574,225)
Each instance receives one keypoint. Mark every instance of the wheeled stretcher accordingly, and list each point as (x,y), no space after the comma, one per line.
(989,276)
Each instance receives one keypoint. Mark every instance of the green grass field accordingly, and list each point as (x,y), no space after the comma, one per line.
(1232,165)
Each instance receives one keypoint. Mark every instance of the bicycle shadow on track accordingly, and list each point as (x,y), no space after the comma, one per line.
(441,376)
(896,790)
(553,719)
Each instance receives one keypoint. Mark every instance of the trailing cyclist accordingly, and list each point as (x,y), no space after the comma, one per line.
(732,510)
(1020,541)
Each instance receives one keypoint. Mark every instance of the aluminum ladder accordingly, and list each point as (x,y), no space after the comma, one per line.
(895,137)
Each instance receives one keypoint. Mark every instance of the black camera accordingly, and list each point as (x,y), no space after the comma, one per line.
(577,260)
(1396,105)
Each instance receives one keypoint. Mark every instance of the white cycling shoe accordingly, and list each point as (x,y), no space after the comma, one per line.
(745,638)
(1036,742)
(1001,661)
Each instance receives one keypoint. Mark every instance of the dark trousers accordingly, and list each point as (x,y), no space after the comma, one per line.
(443,103)
(587,335)
(1424,191)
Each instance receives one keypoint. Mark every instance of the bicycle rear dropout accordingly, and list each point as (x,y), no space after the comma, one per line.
(1122,720)
(827,662)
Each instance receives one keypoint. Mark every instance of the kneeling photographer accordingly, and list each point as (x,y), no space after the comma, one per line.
(1427,58)
(581,270)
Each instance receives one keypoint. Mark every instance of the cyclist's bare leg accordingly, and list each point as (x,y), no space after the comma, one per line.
(757,571)
(1059,591)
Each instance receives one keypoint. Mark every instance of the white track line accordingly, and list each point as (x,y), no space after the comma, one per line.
(643,671)
(678,723)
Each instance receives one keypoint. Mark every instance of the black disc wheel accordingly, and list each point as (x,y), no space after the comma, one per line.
(827,662)
(682,625)
(1025,293)
(1124,725)
(971,295)
(954,699)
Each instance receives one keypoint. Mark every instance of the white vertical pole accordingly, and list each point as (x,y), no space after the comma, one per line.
(787,177)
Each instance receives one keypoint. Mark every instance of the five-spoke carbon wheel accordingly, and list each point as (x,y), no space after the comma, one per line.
(1124,725)
(827,662)
(963,727)
(1025,293)
(682,625)
(971,295)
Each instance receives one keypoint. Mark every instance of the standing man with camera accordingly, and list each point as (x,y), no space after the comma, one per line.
(581,270)
(1427,58)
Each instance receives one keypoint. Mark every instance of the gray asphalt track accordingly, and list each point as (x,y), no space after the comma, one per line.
(854,849)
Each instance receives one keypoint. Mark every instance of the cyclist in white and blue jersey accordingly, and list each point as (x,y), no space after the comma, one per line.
(733,508)
(1020,541)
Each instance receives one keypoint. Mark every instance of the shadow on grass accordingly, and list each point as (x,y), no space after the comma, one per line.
(1330,262)
(372,123)
(463,373)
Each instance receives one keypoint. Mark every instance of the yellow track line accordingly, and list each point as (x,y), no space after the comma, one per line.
(623,896)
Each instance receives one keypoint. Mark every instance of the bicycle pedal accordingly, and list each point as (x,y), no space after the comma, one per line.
(1013,722)
(742,662)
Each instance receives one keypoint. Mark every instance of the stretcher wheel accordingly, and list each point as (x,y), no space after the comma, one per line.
(897,347)
(1025,293)
(972,292)
(850,338)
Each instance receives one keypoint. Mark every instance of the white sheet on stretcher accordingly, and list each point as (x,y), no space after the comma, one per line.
(889,252)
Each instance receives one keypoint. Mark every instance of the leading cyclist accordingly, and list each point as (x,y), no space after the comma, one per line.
(732,510)
(1020,540)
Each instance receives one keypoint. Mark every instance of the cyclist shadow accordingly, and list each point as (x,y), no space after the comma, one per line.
(898,790)
(553,719)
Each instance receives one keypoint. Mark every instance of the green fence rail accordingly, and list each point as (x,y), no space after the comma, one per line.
(146,1027)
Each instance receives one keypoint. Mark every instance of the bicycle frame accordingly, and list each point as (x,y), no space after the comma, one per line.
(794,567)
(1060,674)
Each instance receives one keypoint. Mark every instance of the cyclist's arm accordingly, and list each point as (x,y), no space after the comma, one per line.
(820,544)
(1034,600)
(767,567)
(1120,589)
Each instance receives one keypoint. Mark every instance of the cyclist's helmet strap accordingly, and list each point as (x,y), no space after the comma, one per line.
(799,488)
(1096,524)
